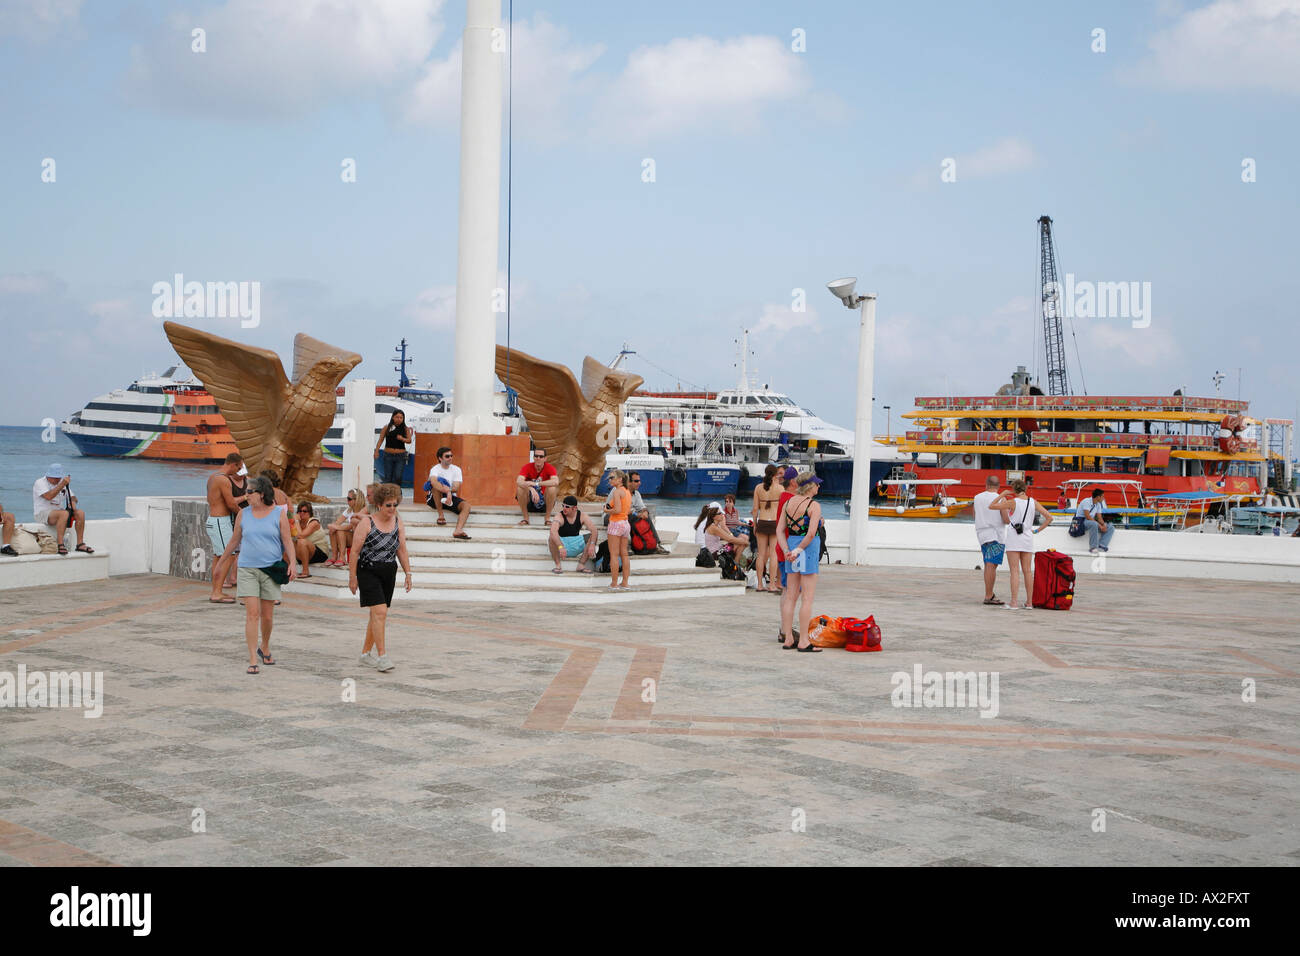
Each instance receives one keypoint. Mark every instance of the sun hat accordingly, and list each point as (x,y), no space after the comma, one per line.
(790,472)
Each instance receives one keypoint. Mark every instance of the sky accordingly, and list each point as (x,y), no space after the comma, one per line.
(912,145)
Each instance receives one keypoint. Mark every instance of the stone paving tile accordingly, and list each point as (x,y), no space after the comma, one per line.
(740,738)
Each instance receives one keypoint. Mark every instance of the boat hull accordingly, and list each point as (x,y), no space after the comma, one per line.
(705,481)
(927,512)
(1047,483)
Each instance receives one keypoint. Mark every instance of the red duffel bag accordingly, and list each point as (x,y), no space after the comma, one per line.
(864,633)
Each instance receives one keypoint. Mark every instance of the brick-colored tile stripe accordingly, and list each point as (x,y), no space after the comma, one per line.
(646,662)
(145,607)
(555,706)
(81,611)
(40,850)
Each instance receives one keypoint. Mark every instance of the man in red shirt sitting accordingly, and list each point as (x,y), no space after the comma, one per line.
(536,486)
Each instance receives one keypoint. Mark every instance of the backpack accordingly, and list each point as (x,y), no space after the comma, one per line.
(643,539)
(727,562)
(705,559)
(601,560)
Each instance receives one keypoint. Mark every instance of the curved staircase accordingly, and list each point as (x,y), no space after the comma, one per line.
(505,562)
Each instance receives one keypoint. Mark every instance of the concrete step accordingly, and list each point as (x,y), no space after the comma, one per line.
(545,579)
(569,593)
(39,570)
(540,561)
(476,530)
(498,547)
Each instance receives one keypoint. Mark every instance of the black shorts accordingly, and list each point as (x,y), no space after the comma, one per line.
(454,507)
(539,508)
(375,583)
(318,556)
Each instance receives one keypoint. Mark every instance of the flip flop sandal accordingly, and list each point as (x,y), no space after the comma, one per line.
(303,577)
(585,571)
(266,659)
(557,570)
(253,669)
(63,549)
(994,601)
(224,599)
(461,536)
(442,521)
(85,549)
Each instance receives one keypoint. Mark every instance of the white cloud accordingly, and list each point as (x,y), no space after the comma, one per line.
(26,284)
(434,308)
(274,59)
(36,19)
(776,320)
(1228,45)
(551,78)
(1010,154)
(1007,155)
(700,82)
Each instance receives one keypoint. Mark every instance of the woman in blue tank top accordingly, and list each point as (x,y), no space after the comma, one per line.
(796,532)
(262,538)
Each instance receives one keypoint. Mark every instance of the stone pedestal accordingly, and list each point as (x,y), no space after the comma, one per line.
(489,463)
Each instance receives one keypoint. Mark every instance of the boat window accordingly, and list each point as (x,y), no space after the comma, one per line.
(751,400)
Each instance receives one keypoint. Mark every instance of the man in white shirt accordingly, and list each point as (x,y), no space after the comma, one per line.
(1093,513)
(444,481)
(54,504)
(991,532)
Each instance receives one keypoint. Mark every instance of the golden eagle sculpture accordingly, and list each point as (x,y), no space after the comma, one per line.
(276,423)
(576,424)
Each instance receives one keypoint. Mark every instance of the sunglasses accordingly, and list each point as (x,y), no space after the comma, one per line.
(352,497)
(303,511)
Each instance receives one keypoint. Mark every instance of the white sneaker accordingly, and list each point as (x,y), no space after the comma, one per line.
(370,659)
(1094,550)
(384,664)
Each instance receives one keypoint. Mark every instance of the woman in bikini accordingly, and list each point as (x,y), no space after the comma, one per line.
(341,529)
(796,530)
(766,496)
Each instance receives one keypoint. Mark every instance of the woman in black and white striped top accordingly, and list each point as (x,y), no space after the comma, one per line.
(373,569)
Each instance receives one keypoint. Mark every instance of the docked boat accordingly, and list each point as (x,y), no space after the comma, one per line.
(163,417)
(649,467)
(907,499)
(1170,443)
(1123,502)
(715,443)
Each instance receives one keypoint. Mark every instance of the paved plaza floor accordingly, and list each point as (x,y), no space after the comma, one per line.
(660,732)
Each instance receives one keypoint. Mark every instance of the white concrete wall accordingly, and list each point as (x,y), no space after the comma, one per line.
(947,544)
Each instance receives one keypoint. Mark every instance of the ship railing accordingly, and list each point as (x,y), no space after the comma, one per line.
(1047,403)
(952,437)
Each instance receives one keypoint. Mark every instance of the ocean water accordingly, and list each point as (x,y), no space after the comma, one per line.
(103,484)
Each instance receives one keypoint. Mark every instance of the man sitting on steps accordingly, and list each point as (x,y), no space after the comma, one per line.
(444,483)
(566,538)
(536,486)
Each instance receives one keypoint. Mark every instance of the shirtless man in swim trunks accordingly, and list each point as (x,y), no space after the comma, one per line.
(222,505)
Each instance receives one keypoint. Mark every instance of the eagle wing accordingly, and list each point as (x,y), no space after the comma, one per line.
(549,397)
(248,384)
(307,352)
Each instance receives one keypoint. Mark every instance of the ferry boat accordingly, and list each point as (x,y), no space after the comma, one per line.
(159,417)
(1174,443)
(714,443)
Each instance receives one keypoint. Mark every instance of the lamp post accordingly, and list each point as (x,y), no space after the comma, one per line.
(861,491)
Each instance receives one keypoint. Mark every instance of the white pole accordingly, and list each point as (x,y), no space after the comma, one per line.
(482,62)
(359,426)
(861,492)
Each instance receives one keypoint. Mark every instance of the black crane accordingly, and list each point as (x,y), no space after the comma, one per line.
(1058,382)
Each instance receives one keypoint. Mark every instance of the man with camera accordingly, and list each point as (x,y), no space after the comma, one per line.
(54,504)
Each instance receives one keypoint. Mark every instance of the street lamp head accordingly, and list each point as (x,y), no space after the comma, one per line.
(843,289)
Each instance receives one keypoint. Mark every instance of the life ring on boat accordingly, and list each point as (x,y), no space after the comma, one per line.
(1230,434)
(967,459)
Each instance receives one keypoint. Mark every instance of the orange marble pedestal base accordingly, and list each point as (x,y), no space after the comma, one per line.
(489,463)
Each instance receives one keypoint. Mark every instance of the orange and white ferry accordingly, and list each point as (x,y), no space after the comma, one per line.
(161,417)
(1170,443)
